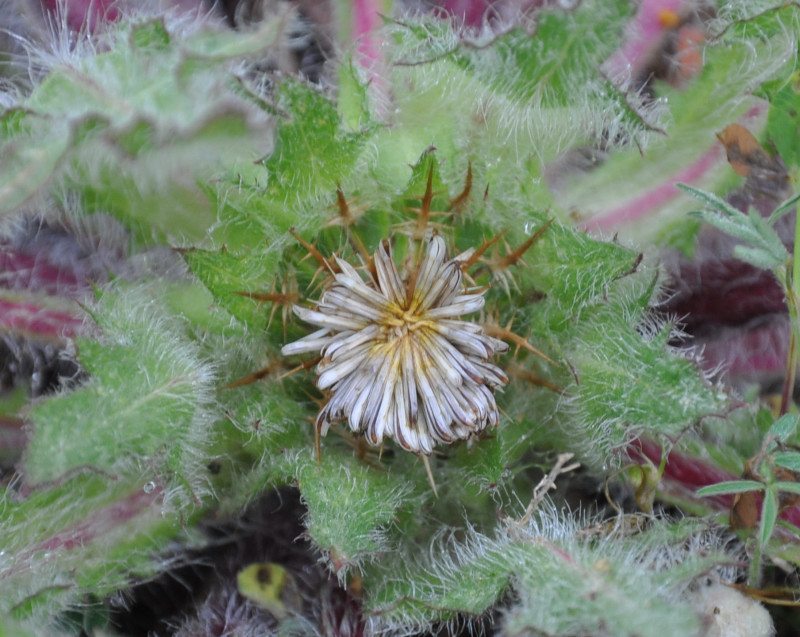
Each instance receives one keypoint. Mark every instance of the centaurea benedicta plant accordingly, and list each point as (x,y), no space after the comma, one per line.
(487,206)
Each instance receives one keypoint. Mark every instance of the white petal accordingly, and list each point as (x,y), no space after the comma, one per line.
(492,375)
(464,304)
(343,301)
(313,342)
(440,290)
(366,409)
(461,410)
(350,280)
(408,381)
(388,277)
(335,321)
(433,356)
(424,385)
(465,341)
(402,429)
(431,263)
(331,372)
(390,389)
(344,341)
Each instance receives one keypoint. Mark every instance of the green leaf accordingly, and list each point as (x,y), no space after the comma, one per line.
(220,45)
(10,628)
(752,21)
(712,201)
(784,427)
(738,226)
(772,242)
(759,258)
(85,535)
(787,459)
(733,486)
(768,251)
(560,266)
(350,506)
(27,165)
(150,34)
(783,121)
(787,206)
(352,97)
(623,381)
(769,514)
(646,209)
(122,132)
(312,151)
(789,487)
(559,583)
(566,46)
(229,277)
(148,393)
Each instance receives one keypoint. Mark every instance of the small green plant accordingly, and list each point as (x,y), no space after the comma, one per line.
(769,471)
(765,472)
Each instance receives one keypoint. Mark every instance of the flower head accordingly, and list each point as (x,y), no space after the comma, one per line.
(395,356)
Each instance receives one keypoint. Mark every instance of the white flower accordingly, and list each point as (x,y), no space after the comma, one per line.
(396,358)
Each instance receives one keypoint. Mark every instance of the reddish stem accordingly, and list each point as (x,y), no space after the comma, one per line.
(99,523)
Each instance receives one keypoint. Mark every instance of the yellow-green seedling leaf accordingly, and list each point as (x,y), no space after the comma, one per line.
(270,586)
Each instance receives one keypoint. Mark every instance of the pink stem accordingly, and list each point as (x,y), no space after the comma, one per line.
(366,20)
(655,198)
(19,316)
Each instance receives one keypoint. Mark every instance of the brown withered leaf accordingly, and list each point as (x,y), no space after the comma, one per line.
(744,510)
(746,506)
(765,172)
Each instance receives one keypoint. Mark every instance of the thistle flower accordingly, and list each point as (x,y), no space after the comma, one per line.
(395,356)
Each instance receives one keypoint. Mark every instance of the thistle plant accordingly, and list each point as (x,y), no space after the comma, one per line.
(457,241)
